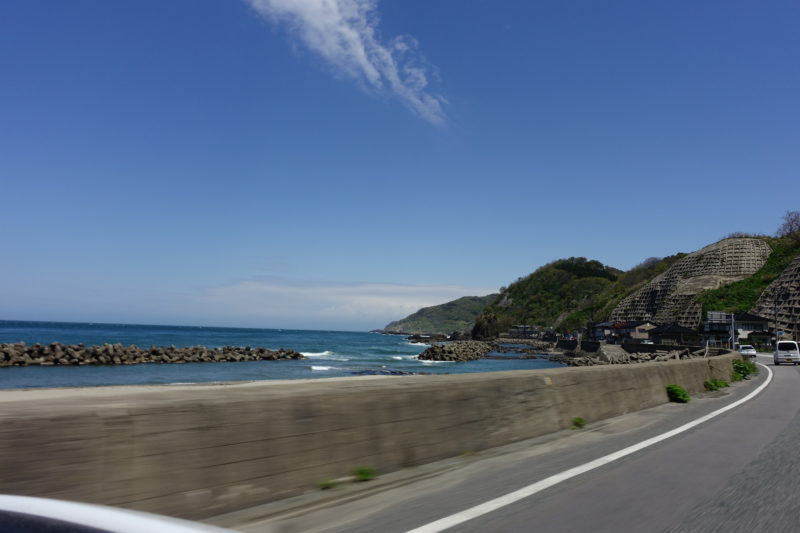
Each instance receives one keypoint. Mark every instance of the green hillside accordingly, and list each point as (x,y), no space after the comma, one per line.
(741,296)
(569,293)
(566,294)
(458,315)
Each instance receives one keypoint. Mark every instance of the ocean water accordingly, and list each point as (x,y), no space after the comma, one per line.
(328,354)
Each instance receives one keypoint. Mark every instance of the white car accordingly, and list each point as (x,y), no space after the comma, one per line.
(27,514)
(747,351)
(786,352)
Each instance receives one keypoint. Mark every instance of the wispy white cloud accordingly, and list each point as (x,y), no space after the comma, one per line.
(268,303)
(365,305)
(345,33)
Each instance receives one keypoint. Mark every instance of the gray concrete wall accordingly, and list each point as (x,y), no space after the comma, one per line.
(197,451)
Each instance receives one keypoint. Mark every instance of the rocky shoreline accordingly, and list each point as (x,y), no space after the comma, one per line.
(20,354)
(578,358)
(532,343)
(57,354)
(461,351)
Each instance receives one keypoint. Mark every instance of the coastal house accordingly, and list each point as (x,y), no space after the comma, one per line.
(636,331)
(598,331)
(722,329)
(548,336)
(523,331)
(747,324)
(674,334)
(631,331)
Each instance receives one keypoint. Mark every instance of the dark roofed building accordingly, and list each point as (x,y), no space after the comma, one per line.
(718,325)
(748,322)
(599,330)
(636,330)
(674,334)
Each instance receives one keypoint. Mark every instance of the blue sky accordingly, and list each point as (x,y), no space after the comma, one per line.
(339,163)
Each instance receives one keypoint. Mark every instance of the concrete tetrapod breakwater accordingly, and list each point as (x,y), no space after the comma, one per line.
(20,354)
(202,450)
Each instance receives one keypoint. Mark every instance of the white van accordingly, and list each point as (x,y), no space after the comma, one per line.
(786,352)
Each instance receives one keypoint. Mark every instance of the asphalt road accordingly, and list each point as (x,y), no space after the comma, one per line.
(737,472)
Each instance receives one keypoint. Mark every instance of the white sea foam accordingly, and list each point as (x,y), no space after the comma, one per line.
(321,367)
(417,344)
(398,357)
(317,354)
(428,362)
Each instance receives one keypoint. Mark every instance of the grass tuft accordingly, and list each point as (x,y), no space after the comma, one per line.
(715,384)
(743,370)
(364,473)
(578,423)
(677,394)
(326,484)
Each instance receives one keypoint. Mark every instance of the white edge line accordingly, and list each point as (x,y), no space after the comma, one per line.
(507,499)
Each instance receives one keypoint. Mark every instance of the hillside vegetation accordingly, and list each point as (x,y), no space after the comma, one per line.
(569,293)
(458,315)
(741,296)
(566,294)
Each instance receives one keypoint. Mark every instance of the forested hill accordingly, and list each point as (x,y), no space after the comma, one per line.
(566,294)
(458,315)
(738,273)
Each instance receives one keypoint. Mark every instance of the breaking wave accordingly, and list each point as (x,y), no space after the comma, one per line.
(317,354)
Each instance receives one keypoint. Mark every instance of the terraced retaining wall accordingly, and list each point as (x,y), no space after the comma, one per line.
(670,297)
(201,450)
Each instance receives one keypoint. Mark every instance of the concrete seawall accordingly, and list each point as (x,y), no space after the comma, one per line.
(201,450)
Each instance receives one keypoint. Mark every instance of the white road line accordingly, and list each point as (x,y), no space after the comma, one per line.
(507,499)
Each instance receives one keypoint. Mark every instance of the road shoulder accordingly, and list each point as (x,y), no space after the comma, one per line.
(327,510)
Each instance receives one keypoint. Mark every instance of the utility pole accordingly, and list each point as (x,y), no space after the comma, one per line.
(775,316)
(779,292)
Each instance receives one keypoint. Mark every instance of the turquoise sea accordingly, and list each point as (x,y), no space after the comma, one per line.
(328,354)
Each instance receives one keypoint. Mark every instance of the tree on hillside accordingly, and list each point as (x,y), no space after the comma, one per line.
(739,235)
(488,325)
(650,262)
(791,226)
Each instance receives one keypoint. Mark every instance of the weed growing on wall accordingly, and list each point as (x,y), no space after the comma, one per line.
(715,384)
(578,422)
(364,473)
(326,484)
(743,370)
(677,394)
